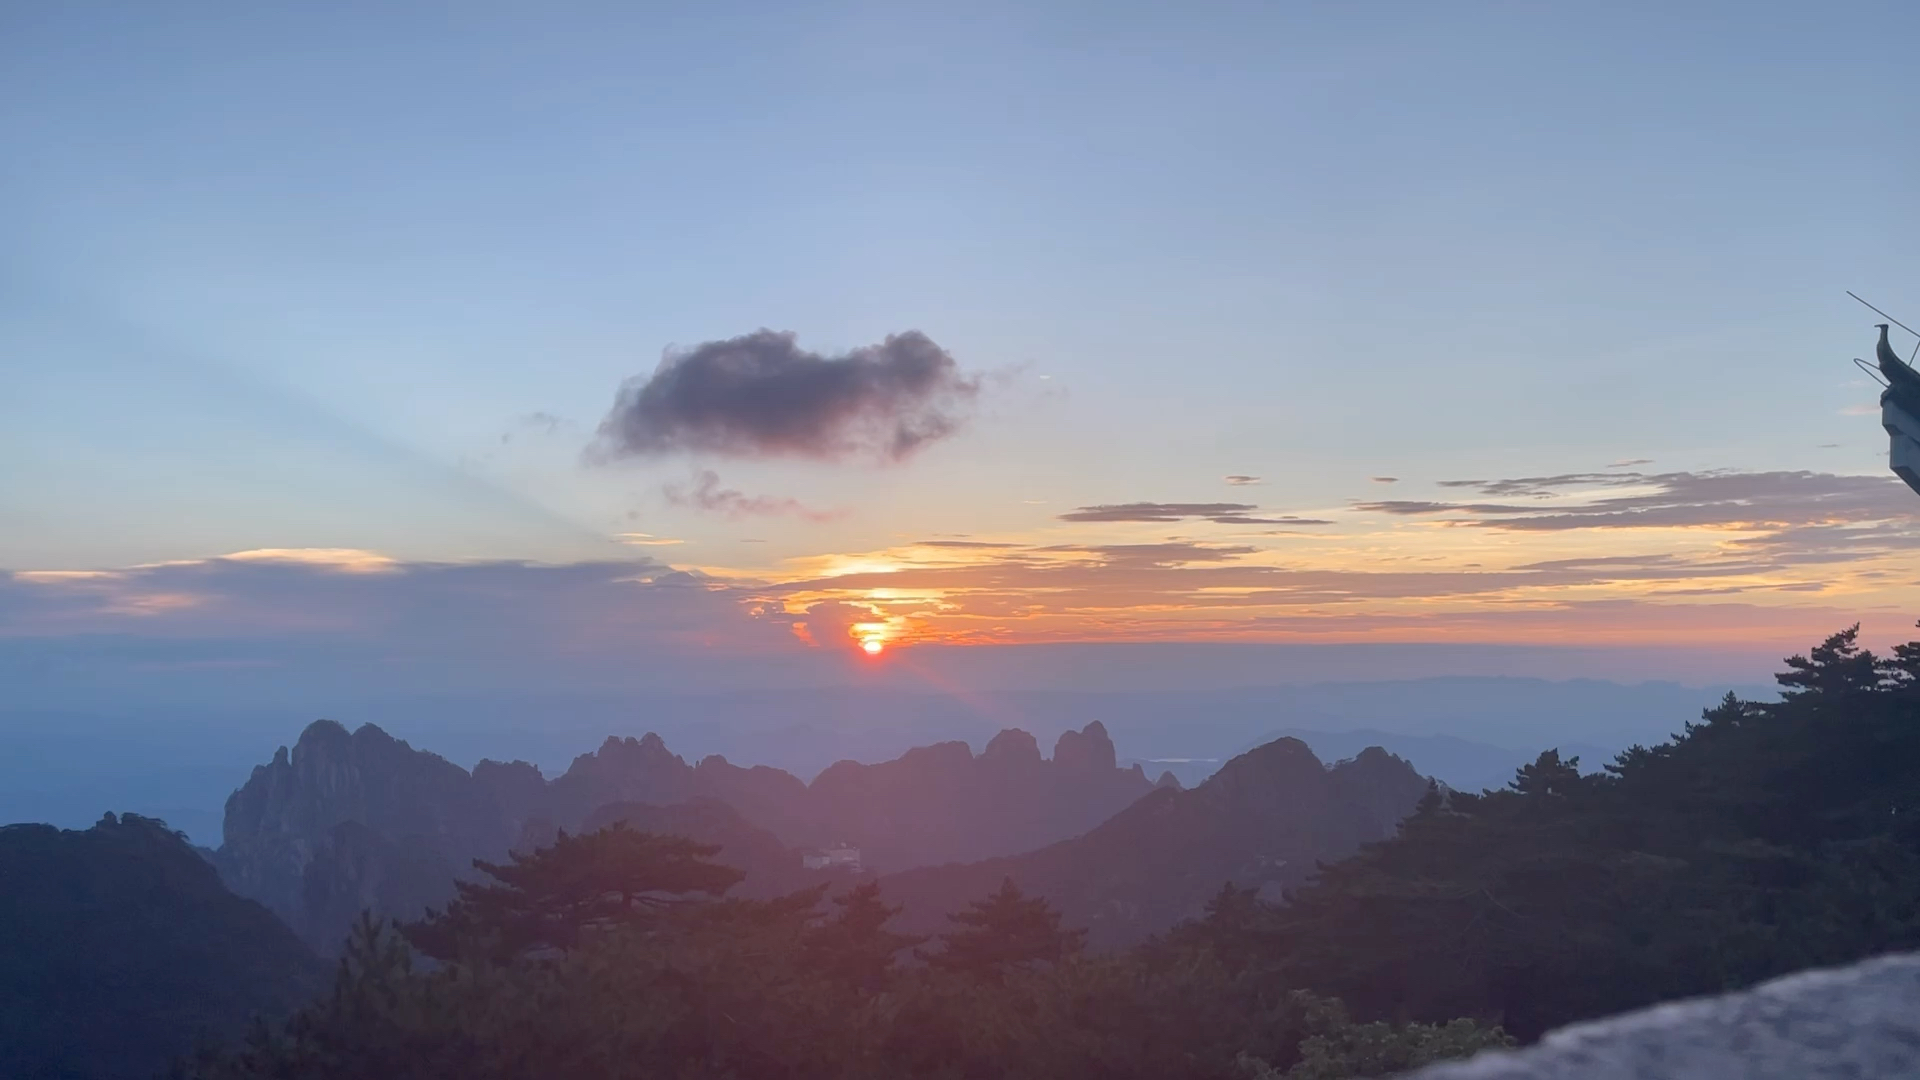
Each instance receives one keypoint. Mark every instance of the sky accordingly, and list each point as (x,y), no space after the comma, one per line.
(459,338)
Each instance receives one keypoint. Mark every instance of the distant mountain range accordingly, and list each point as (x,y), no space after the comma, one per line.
(1461,764)
(64,766)
(121,945)
(345,821)
(1263,821)
(120,948)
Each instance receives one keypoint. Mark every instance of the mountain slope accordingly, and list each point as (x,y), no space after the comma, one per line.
(1262,821)
(119,948)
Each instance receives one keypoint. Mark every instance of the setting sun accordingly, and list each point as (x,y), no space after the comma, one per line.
(872,646)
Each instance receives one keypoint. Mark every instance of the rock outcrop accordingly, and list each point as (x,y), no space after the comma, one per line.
(1087,750)
(1859,1023)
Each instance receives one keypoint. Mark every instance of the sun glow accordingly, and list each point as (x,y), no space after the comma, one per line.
(872,636)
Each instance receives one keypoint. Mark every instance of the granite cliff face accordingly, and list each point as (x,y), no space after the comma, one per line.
(351,821)
(1262,821)
(345,822)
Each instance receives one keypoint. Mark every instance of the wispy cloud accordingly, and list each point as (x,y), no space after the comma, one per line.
(707,495)
(1218,513)
(1241,479)
(536,423)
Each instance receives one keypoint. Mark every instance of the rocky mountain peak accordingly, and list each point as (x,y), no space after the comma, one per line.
(1088,750)
(322,737)
(1010,745)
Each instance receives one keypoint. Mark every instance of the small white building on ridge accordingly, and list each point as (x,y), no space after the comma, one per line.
(840,855)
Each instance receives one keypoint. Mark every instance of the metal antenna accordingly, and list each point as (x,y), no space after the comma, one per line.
(1894,321)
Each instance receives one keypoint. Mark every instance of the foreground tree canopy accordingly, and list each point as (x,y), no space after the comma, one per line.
(1765,838)
(592,959)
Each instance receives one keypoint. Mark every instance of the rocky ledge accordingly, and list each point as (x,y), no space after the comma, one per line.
(1860,1022)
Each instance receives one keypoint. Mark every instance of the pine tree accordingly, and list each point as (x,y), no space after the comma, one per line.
(1007,931)
(1837,667)
(1432,802)
(548,899)
(854,946)
(1548,775)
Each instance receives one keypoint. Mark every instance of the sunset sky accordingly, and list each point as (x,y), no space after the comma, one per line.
(379,324)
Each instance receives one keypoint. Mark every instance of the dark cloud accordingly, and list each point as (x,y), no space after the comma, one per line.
(1241,480)
(762,396)
(1385,479)
(707,494)
(1218,513)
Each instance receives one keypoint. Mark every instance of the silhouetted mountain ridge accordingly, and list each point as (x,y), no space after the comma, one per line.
(346,821)
(1264,820)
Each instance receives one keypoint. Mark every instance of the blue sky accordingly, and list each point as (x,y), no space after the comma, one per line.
(368,276)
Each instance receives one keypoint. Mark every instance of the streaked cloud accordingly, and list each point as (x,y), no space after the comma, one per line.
(1218,513)
(1718,499)
(1241,480)
(1573,557)
(348,560)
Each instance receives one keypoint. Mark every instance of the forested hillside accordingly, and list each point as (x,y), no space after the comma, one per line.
(1765,838)
(119,948)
